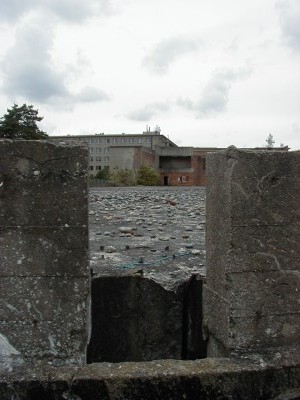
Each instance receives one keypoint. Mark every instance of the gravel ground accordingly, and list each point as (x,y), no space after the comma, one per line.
(158,232)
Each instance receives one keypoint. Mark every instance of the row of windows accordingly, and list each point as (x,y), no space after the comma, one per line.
(119,140)
(99,149)
(98,167)
(98,158)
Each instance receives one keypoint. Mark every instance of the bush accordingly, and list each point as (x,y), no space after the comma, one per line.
(122,177)
(147,176)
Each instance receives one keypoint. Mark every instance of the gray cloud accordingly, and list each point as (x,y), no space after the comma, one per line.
(90,94)
(29,73)
(68,10)
(289,16)
(215,94)
(168,51)
(12,9)
(147,112)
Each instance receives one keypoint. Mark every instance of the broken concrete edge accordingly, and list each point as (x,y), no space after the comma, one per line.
(224,378)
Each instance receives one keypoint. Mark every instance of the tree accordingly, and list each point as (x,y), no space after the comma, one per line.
(147,176)
(122,177)
(103,174)
(21,123)
(270,141)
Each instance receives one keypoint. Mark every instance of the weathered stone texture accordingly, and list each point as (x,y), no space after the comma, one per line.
(44,269)
(207,379)
(252,294)
(134,319)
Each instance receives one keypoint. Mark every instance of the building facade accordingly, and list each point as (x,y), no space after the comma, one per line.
(125,151)
(176,166)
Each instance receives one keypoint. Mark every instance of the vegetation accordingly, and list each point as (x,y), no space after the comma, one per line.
(122,177)
(21,123)
(147,176)
(103,174)
(270,141)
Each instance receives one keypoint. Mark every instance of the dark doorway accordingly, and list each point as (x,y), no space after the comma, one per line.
(166,181)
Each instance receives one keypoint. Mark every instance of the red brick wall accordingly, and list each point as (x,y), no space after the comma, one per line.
(143,157)
(197,176)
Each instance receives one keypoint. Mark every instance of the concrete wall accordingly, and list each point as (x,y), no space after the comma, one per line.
(44,269)
(252,294)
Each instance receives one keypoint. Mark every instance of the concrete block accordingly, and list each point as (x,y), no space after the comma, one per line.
(41,298)
(251,299)
(134,319)
(42,251)
(37,181)
(264,248)
(44,260)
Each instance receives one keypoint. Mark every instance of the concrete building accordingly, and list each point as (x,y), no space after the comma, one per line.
(124,151)
(177,166)
(183,166)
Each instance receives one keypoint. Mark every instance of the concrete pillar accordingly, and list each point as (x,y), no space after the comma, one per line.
(44,266)
(252,293)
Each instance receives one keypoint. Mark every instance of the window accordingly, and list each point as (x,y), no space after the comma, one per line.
(131,140)
(106,158)
(91,167)
(98,167)
(91,150)
(148,139)
(91,141)
(98,140)
(98,149)
(106,150)
(91,158)
(115,140)
(123,140)
(140,140)
(107,140)
(98,158)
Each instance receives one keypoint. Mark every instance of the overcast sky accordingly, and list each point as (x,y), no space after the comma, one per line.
(208,72)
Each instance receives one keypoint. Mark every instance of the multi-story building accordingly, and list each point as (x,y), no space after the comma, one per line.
(177,166)
(125,151)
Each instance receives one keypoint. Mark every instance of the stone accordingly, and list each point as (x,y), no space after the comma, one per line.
(251,296)
(110,249)
(126,229)
(44,259)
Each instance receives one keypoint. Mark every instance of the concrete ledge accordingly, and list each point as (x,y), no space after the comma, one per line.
(161,379)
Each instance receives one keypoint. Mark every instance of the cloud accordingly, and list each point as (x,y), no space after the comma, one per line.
(12,9)
(147,112)
(29,73)
(289,17)
(27,66)
(90,94)
(215,94)
(67,10)
(168,51)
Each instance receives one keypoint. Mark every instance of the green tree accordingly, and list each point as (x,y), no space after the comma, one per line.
(103,174)
(123,177)
(270,141)
(147,176)
(21,123)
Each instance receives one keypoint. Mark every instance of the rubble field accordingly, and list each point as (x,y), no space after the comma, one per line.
(155,231)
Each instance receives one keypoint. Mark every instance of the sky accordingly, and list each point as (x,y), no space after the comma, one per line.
(209,73)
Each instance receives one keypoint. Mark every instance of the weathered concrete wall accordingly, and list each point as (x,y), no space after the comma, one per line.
(137,319)
(219,379)
(252,294)
(44,270)
(134,319)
